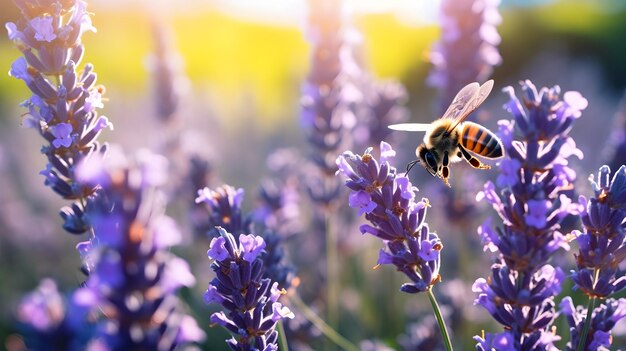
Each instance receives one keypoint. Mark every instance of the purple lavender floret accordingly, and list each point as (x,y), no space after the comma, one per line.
(467,50)
(50,321)
(388,203)
(530,199)
(251,301)
(224,209)
(133,274)
(64,101)
(601,245)
(603,320)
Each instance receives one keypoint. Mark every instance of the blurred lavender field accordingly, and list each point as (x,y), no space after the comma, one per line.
(221,197)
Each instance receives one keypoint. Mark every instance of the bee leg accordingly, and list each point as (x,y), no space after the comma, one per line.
(445,171)
(409,166)
(473,161)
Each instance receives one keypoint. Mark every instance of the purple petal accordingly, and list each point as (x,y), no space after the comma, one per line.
(19,70)
(386,152)
(13,32)
(212,295)
(204,195)
(93,101)
(62,133)
(101,123)
(361,200)
(509,169)
(252,246)
(217,249)
(427,251)
(575,101)
(488,236)
(384,257)
(343,167)
(43,28)
(536,213)
(280,312)
(406,188)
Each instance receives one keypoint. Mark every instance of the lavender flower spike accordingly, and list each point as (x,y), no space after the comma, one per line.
(388,203)
(467,50)
(601,246)
(64,101)
(601,250)
(251,301)
(133,274)
(603,319)
(530,201)
(224,209)
(329,94)
(48,320)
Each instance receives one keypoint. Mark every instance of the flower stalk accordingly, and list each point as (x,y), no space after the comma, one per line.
(440,321)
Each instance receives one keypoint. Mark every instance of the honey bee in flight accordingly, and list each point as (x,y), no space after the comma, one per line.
(450,139)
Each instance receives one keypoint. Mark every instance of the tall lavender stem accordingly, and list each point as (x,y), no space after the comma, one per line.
(530,201)
(64,101)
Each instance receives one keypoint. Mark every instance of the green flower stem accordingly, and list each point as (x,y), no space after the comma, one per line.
(590,307)
(585,331)
(326,329)
(282,341)
(440,321)
(332,266)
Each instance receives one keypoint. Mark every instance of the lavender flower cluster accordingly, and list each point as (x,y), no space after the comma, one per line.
(64,101)
(239,286)
(467,50)
(329,95)
(133,277)
(601,249)
(50,321)
(388,203)
(531,203)
(249,271)
(129,299)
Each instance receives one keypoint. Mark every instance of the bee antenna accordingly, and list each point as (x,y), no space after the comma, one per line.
(410,165)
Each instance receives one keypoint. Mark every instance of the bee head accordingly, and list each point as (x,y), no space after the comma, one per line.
(428,158)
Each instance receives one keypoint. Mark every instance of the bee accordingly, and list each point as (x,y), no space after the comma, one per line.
(449,139)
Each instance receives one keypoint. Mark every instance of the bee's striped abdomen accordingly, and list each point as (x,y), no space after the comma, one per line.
(481,141)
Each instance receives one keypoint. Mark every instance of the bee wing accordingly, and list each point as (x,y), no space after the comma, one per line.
(466,101)
(411,127)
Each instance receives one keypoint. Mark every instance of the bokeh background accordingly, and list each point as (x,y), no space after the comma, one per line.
(242,64)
